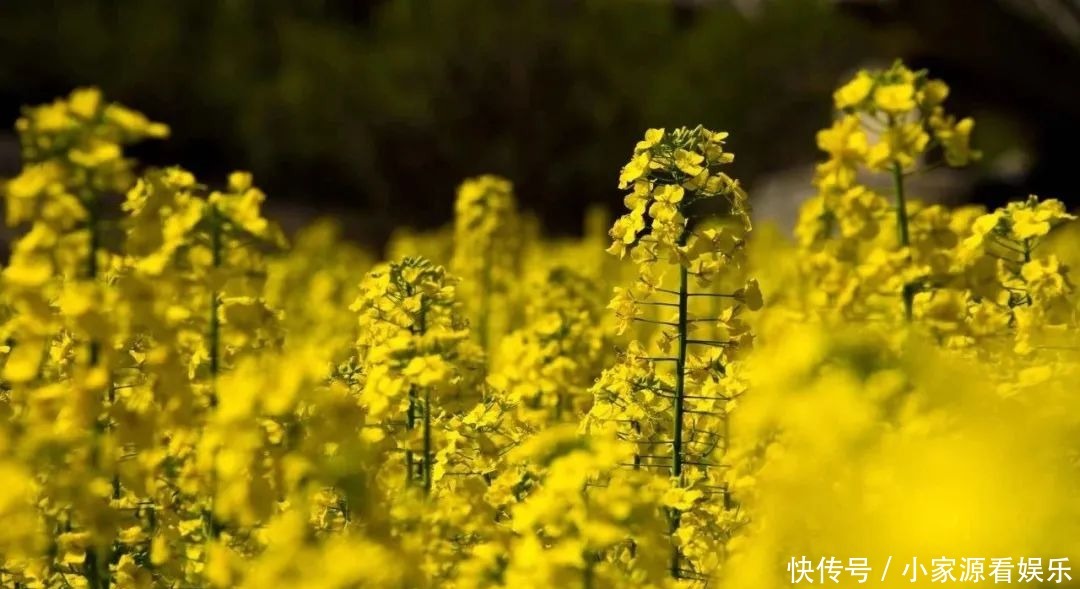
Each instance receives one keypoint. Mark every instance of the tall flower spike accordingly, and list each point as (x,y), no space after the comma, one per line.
(70,322)
(888,122)
(487,249)
(415,352)
(670,399)
(546,367)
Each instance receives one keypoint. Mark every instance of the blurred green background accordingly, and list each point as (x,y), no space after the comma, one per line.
(374,110)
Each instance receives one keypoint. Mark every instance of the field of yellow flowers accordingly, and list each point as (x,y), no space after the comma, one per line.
(190,401)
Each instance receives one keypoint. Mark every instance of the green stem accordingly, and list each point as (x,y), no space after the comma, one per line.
(680,380)
(215,322)
(411,414)
(715,310)
(902,228)
(95,237)
(484,323)
(588,575)
(680,392)
(727,444)
(637,455)
(92,225)
(97,565)
(410,423)
(213,528)
(1027,258)
(96,571)
(427,441)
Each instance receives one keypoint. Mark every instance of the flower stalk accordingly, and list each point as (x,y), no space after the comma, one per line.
(908,293)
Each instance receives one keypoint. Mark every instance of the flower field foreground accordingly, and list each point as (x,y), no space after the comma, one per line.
(190,401)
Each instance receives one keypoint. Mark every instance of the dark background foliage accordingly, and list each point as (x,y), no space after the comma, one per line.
(374,110)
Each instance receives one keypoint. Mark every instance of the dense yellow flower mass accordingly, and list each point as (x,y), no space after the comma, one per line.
(190,400)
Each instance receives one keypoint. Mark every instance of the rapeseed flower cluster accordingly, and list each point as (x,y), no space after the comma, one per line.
(190,400)
(864,250)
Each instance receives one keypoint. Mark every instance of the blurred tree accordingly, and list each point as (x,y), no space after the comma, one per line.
(384,106)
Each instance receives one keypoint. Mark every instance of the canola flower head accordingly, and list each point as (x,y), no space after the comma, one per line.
(671,175)
(488,243)
(85,135)
(904,108)
(860,241)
